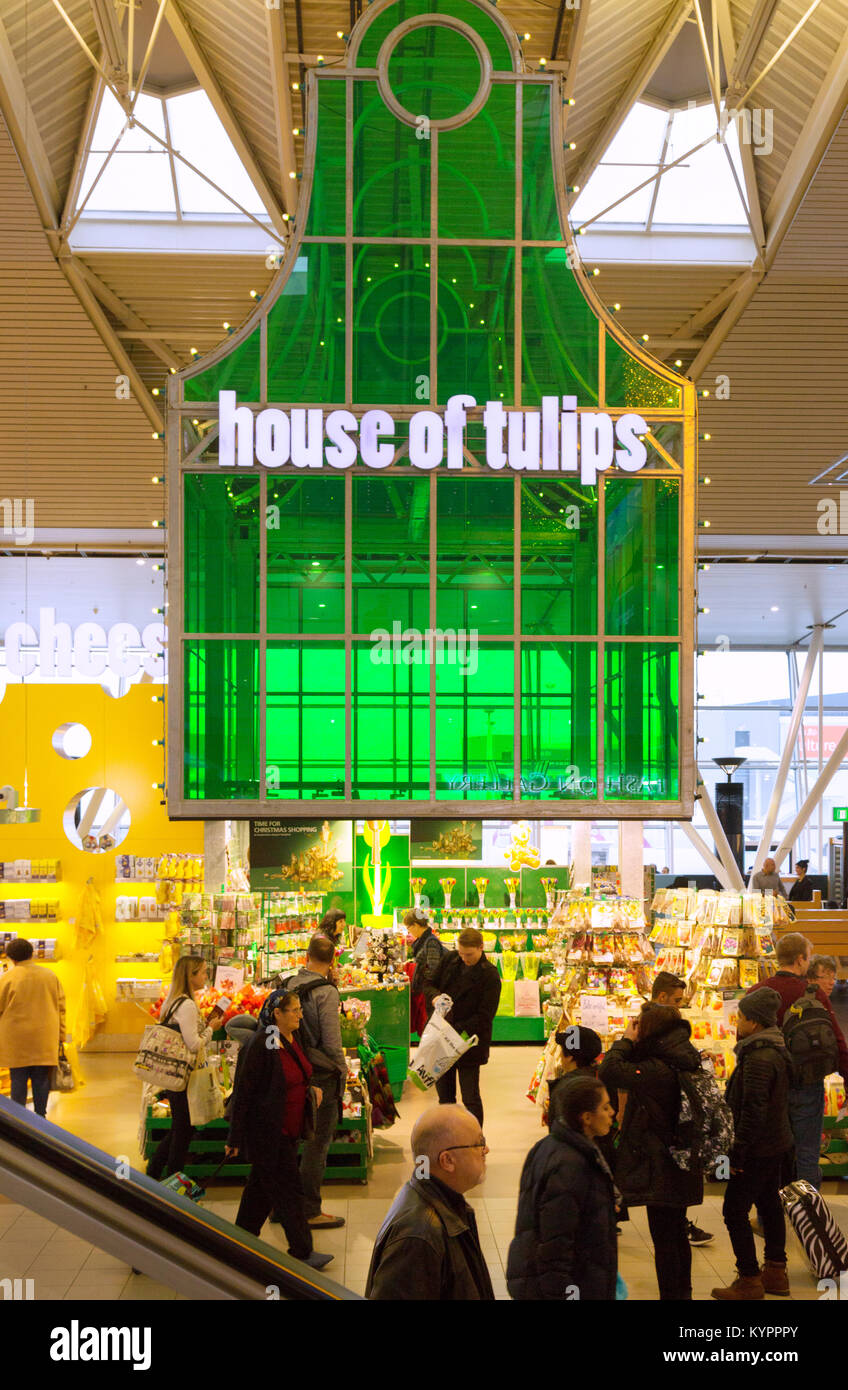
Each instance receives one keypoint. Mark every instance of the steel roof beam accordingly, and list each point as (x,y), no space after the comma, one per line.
(662,41)
(205,76)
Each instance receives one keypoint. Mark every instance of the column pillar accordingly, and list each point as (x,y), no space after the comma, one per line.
(581,852)
(631,858)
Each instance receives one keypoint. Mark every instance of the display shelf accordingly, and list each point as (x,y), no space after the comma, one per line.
(834,1155)
(518,1030)
(207,1146)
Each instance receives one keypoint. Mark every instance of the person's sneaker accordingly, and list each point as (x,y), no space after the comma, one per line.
(696,1236)
(318,1261)
(324,1221)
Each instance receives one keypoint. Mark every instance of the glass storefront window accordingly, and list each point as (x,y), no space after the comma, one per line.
(641,721)
(558,721)
(391,553)
(306,551)
(221,543)
(390,727)
(475,736)
(475,556)
(221,721)
(559,564)
(642,526)
(305,720)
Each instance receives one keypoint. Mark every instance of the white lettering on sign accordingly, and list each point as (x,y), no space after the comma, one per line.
(89,649)
(523,440)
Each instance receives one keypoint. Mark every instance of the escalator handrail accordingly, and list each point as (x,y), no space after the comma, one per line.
(214,1237)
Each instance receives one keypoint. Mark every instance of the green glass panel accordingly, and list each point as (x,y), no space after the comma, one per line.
(641,556)
(391,333)
(305,720)
(474,537)
(477,172)
(306,329)
(390,725)
(327,202)
(475,737)
(221,721)
(560,354)
(558,721)
(391,553)
(641,721)
(306,542)
(221,538)
(460,9)
(391,170)
(239,371)
(475,304)
(434,72)
(559,557)
(540,216)
(629,383)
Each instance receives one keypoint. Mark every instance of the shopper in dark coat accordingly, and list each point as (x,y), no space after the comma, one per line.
(273,1108)
(428,1247)
(758,1096)
(427,952)
(646,1063)
(474,985)
(565,1242)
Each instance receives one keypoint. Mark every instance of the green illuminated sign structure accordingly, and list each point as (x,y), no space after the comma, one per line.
(431,539)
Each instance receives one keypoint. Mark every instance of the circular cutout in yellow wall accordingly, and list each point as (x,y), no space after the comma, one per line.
(72,740)
(96,820)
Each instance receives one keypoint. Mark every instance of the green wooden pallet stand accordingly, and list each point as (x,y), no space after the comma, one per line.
(836,1150)
(347,1161)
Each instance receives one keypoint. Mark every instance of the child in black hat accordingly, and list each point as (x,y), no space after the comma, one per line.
(758,1096)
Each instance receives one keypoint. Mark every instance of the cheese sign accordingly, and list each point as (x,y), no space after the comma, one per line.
(554,439)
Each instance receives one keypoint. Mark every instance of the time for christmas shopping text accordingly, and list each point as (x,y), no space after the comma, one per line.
(555,439)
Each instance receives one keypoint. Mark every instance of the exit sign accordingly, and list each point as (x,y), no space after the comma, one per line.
(840,813)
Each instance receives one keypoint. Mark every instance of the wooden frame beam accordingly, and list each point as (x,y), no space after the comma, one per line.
(275,27)
(122,311)
(92,111)
(662,41)
(89,302)
(27,141)
(807,153)
(202,70)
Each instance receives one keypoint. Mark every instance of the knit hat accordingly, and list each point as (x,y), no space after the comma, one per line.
(421,918)
(583,1044)
(761,1006)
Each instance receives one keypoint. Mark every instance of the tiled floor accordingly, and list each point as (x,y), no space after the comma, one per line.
(105,1112)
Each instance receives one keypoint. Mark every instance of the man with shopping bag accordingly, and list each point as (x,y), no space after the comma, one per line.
(474,985)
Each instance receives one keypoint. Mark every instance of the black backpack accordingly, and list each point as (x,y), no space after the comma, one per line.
(810,1039)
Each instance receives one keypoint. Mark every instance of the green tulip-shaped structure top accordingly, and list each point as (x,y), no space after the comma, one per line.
(431,541)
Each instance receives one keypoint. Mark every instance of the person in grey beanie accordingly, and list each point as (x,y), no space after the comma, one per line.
(758,1096)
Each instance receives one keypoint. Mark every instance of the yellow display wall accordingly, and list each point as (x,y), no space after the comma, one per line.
(123,757)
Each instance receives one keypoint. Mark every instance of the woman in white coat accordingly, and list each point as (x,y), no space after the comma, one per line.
(180,1010)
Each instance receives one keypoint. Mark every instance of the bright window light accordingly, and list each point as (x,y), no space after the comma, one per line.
(699,192)
(633,155)
(139,179)
(198,134)
(702,189)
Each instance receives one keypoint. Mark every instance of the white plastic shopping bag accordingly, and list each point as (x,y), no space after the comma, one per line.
(205,1097)
(440,1047)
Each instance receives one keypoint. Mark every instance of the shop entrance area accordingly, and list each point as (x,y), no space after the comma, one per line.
(105,1113)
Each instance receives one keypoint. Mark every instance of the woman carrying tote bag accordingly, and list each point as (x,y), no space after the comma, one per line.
(180,1011)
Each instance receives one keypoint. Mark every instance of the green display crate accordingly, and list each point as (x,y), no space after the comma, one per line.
(518,1030)
(346,1161)
(834,1148)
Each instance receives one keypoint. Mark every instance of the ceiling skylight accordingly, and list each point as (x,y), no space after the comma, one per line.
(700,191)
(144,176)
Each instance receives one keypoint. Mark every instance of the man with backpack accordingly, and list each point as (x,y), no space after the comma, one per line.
(320,1037)
(815,1044)
(758,1096)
